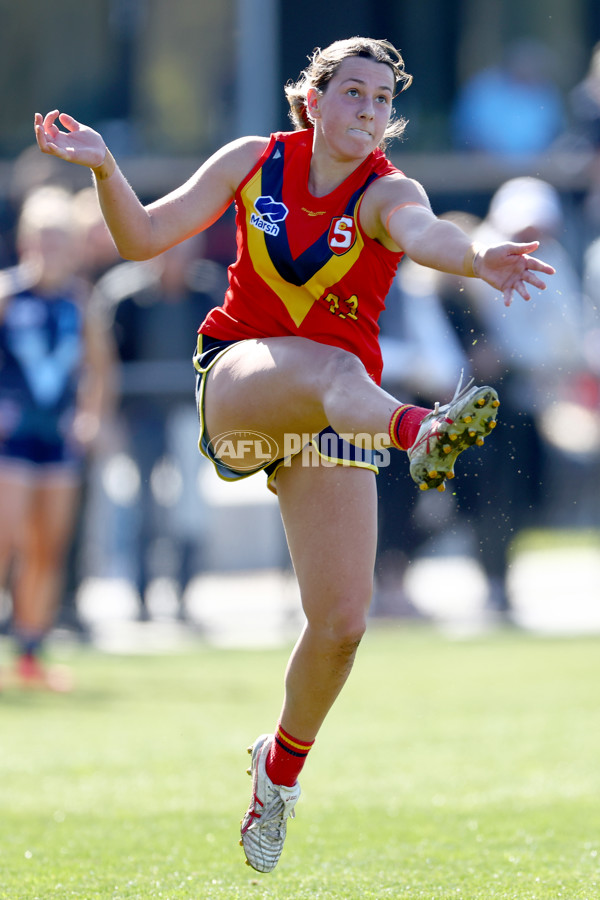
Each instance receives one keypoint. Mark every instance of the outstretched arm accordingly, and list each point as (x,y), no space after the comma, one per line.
(141,232)
(127,220)
(409,222)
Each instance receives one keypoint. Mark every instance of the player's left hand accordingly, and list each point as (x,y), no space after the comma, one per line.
(509,267)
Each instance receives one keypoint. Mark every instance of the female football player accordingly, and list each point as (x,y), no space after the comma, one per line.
(292,356)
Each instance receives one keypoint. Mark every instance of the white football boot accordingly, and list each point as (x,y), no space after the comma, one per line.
(448,430)
(265,824)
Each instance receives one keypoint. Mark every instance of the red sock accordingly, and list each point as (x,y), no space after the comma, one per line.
(405,424)
(286,758)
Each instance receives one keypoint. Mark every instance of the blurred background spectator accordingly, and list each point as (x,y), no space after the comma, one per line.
(533,353)
(96,253)
(584,104)
(55,382)
(154,523)
(423,359)
(583,137)
(514,109)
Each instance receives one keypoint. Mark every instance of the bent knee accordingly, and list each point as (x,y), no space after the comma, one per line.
(340,376)
(340,364)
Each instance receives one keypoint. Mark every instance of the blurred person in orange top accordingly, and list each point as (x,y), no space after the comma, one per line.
(54,380)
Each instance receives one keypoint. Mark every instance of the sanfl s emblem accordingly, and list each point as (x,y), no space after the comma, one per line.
(342,234)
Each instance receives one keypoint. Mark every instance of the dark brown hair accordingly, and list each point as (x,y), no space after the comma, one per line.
(325,63)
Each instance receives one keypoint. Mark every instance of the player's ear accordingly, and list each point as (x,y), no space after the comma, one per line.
(313,97)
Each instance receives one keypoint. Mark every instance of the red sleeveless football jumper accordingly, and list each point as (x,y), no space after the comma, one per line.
(304,266)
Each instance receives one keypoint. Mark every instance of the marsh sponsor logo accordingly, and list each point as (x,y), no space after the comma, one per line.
(267,227)
(268,213)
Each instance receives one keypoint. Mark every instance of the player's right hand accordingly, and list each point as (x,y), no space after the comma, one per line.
(78,144)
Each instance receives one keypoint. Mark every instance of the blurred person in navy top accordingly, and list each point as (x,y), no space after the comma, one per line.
(54,365)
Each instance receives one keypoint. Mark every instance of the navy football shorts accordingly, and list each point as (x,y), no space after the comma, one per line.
(41,456)
(330,447)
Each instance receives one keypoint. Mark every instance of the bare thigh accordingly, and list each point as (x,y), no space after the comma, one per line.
(36,512)
(275,386)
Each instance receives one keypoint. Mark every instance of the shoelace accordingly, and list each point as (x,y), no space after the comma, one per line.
(275,822)
(458,393)
(254,814)
(272,820)
(437,409)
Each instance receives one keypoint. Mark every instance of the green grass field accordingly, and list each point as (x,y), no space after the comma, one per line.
(448,769)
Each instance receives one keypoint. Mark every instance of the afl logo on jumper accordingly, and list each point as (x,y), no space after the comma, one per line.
(342,234)
(269,212)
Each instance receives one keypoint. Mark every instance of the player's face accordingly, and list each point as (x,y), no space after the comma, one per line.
(355,108)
